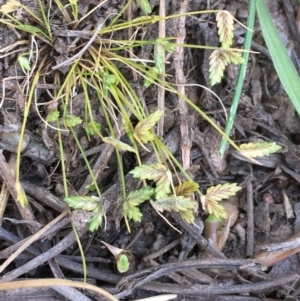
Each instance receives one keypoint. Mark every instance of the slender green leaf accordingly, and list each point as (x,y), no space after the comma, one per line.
(285,69)
(159,55)
(241,77)
(29,28)
(144,6)
(118,144)
(154,74)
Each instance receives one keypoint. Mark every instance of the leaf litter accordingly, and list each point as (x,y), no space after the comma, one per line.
(263,116)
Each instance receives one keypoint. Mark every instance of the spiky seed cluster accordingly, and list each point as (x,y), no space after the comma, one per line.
(259,149)
(225,28)
(214,195)
(88,203)
(220,58)
(164,201)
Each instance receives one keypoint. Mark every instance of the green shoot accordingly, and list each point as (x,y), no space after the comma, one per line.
(123,263)
(282,62)
(124,259)
(74,8)
(240,78)
(24,63)
(144,6)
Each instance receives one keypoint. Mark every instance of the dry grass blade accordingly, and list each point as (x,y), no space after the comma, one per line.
(4,194)
(54,282)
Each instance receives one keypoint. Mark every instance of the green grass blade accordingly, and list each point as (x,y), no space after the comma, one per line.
(240,78)
(285,69)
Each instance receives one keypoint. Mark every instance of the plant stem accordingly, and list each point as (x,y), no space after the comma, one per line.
(241,77)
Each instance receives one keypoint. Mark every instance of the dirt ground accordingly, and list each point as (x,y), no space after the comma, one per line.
(252,257)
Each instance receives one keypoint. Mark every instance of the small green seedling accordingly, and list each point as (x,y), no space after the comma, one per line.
(144,6)
(123,258)
(24,63)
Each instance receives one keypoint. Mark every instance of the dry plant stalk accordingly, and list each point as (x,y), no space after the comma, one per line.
(5,193)
(161,89)
(180,82)
(54,282)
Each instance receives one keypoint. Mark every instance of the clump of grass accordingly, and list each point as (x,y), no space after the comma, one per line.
(95,70)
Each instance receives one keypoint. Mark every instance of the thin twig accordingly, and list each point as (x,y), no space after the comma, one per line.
(4,194)
(39,260)
(195,233)
(180,82)
(163,250)
(216,290)
(154,273)
(9,181)
(250,220)
(33,238)
(270,258)
(54,282)
(281,246)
